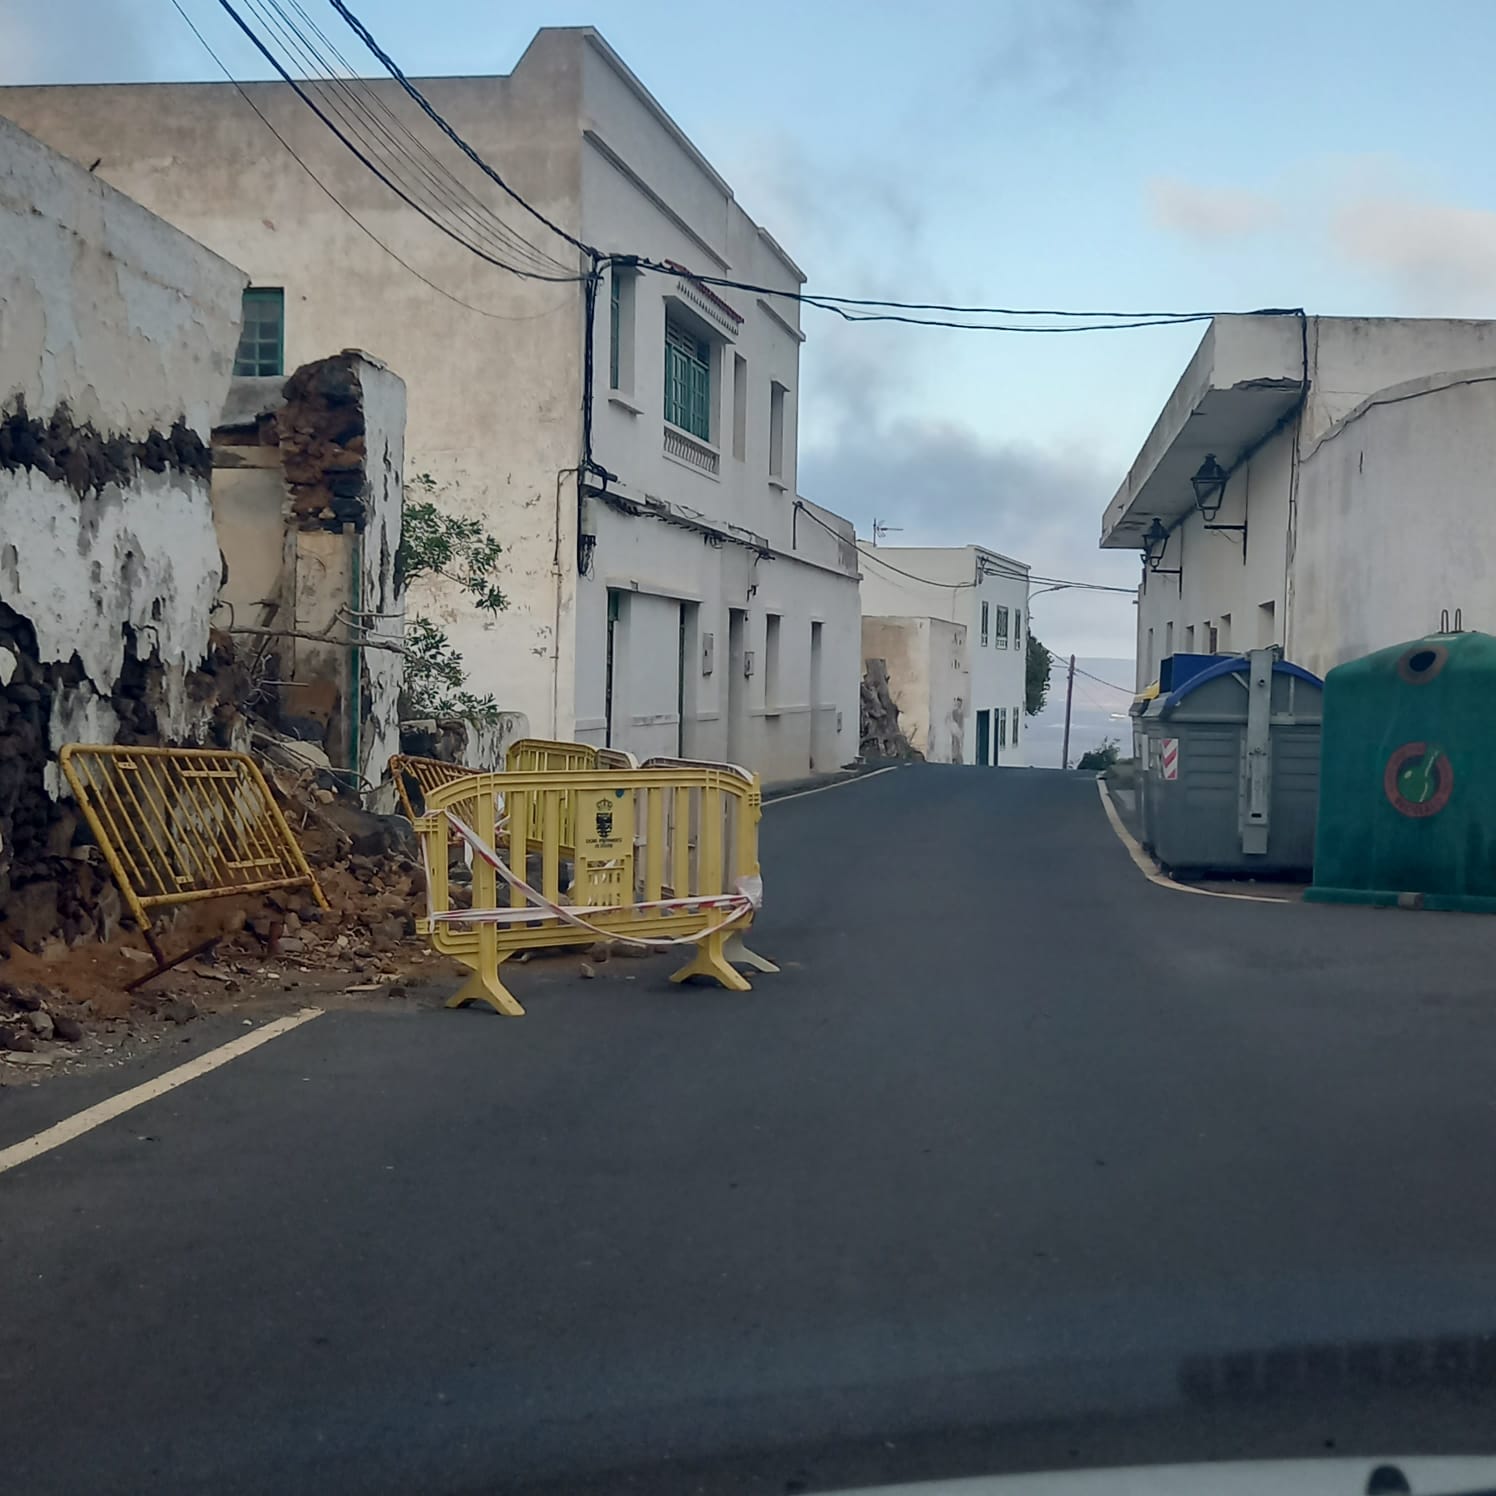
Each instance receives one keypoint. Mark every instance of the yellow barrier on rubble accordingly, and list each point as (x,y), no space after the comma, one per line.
(426,773)
(177,825)
(661,857)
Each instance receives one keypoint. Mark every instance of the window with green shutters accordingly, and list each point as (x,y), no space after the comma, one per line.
(688,381)
(262,341)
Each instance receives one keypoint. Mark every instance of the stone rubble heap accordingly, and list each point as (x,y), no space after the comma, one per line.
(881,735)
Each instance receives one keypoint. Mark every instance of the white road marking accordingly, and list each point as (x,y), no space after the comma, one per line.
(114,1106)
(840,784)
(1150,869)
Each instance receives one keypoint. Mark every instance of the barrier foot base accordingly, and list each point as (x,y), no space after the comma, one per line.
(711,961)
(492,991)
(165,964)
(739,955)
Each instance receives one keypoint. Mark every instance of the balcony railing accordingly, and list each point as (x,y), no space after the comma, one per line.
(685,448)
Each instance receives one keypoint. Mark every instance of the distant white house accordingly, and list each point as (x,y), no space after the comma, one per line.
(1317,483)
(691,603)
(971,710)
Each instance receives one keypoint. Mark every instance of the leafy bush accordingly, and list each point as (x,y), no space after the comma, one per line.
(1101,757)
(435,543)
(1038,662)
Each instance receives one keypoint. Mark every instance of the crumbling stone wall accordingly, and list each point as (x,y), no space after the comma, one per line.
(119,334)
(333,437)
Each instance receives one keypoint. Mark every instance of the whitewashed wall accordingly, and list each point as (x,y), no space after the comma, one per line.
(929,680)
(115,317)
(1406,473)
(1357,568)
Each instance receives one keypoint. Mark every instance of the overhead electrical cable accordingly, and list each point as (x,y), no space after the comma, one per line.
(363,98)
(338,203)
(362,156)
(870,553)
(873,310)
(1110,685)
(435,193)
(364,35)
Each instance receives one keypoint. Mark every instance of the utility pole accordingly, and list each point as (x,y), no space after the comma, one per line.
(1069,694)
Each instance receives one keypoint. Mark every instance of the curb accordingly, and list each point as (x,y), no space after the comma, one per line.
(1151,870)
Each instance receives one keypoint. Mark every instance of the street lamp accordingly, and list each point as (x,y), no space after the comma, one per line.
(1155,543)
(1209,483)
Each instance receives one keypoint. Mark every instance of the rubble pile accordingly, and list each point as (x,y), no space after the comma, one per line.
(62,997)
(33,1019)
(55,890)
(369,870)
(881,735)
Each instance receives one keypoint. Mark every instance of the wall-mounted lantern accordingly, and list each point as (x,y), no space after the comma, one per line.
(1209,484)
(1155,543)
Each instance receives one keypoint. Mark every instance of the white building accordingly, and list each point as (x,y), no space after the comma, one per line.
(692,603)
(1354,455)
(969,710)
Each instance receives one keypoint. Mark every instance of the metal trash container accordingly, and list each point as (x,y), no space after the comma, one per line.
(1408,794)
(1230,781)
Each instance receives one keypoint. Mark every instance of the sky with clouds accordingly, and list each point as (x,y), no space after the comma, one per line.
(1108,154)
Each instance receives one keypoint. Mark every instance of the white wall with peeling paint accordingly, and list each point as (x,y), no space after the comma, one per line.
(104,305)
(111,312)
(381,603)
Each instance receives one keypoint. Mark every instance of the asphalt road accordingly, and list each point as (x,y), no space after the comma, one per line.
(1021,1162)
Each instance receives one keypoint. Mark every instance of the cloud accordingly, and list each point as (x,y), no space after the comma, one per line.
(1441,257)
(849,220)
(940,484)
(1061,51)
(1210,214)
(862,452)
(83,41)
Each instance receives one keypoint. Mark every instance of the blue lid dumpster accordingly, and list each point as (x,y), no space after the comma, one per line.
(1231,770)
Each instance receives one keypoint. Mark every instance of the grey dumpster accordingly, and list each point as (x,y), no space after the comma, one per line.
(1230,780)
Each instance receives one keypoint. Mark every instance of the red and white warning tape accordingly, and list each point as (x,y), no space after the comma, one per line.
(741,904)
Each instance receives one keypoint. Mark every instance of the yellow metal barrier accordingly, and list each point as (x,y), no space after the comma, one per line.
(426,774)
(536,755)
(662,856)
(177,825)
(527,755)
(615,758)
(736,951)
(696,763)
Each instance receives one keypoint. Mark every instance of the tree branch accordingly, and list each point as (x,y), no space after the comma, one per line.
(319,638)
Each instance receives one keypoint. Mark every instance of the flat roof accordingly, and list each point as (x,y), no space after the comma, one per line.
(1247,376)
